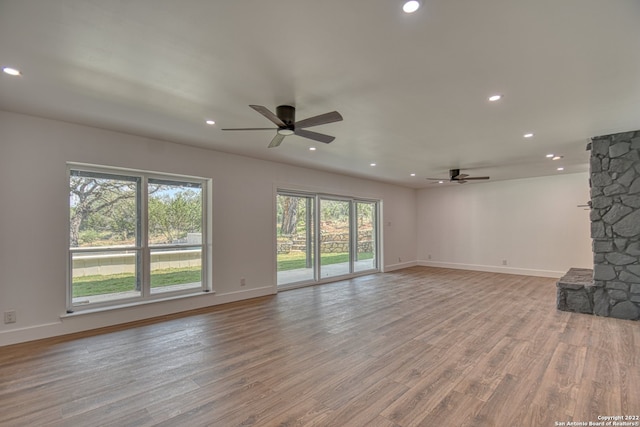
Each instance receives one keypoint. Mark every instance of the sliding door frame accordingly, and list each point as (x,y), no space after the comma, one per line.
(314,200)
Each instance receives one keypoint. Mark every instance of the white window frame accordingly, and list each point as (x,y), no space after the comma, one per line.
(144,248)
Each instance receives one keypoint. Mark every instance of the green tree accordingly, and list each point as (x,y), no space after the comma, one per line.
(174,215)
(365,213)
(123,219)
(94,196)
(335,210)
(289,215)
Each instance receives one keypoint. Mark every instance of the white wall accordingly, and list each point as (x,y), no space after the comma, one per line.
(532,223)
(34,216)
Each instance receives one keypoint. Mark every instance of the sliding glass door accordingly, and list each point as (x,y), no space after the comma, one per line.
(335,237)
(296,238)
(321,236)
(366,245)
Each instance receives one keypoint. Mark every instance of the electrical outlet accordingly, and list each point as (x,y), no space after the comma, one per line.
(10,316)
(243,282)
(504,262)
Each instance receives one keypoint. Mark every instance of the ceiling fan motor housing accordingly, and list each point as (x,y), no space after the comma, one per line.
(287,114)
(454,173)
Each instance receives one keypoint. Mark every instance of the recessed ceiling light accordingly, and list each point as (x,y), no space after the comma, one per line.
(557,157)
(411,6)
(312,148)
(440,182)
(413,174)
(528,135)
(372,164)
(494,98)
(210,122)
(550,155)
(11,71)
(560,169)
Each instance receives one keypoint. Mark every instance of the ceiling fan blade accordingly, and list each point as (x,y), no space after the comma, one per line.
(277,140)
(476,177)
(460,176)
(460,181)
(320,137)
(322,119)
(251,129)
(268,114)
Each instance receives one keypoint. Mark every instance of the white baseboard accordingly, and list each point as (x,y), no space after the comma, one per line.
(30,333)
(80,322)
(493,269)
(242,295)
(398,266)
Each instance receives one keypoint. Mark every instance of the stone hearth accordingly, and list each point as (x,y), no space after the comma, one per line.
(575,291)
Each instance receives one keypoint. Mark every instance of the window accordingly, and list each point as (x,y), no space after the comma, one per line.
(323,236)
(135,236)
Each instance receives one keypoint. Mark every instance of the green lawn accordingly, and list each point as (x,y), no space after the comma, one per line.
(107,284)
(103,284)
(295,260)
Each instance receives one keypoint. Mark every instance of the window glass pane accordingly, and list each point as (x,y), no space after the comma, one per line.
(335,239)
(104,276)
(365,258)
(176,269)
(103,214)
(295,239)
(175,213)
(103,210)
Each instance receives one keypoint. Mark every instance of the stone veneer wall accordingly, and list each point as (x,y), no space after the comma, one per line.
(615,224)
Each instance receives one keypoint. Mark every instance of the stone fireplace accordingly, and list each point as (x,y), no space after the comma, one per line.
(614,290)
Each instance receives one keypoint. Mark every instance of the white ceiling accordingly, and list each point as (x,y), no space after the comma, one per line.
(412,89)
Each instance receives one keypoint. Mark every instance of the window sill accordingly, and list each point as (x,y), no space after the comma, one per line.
(89,310)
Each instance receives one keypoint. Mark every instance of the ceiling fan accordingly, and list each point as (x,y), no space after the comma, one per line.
(460,178)
(285,119)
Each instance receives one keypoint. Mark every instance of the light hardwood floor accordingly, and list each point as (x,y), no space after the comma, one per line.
(415,347)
